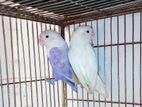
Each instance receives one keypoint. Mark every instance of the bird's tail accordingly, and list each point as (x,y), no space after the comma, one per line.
(72,84)
(67,80)
(100,87)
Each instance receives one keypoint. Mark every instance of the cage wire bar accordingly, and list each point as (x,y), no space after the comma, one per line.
(24,66)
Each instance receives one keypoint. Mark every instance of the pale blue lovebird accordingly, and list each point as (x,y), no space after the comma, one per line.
(57,52)
(83,60)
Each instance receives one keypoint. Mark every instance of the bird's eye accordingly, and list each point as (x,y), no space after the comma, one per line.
(47,36)
(87,31)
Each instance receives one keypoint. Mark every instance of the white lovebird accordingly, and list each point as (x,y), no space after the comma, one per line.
(84,62)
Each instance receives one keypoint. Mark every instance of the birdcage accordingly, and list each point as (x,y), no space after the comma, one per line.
(24,66)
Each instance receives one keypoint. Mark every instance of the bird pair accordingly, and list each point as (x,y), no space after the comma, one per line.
(79,60)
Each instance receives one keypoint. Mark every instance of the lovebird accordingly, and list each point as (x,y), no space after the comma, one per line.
(57,53)
(83,60)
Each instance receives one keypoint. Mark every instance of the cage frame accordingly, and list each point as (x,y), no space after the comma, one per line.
(6,10)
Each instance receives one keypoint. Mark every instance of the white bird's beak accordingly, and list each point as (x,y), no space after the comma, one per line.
(41,40)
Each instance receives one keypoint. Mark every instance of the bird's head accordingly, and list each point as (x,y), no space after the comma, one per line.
(50,38)
(85,34)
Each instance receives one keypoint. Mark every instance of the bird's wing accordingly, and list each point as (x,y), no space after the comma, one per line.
(60,63)
(84,63)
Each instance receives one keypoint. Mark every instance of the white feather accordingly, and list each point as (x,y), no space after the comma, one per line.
(84,65)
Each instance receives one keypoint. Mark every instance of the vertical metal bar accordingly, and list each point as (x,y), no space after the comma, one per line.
(49,84)
(44,71)
(35,64)
(64,84)
(62,31)
(93,93)
(133,58)
(105,54)
(39,66)
(65,95)
(25,74)
(18,54)
(58,93)
(82,87)
(29,52)
(118,61)
(141,58)
(57,83)
(125,77)
(1,84)
(98,55)
(49,78)
(5,51)
(43,65)
(87,92)
(69,41)
(13,73)
(54,85)
(76,93)
(111,58)
(54,28)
